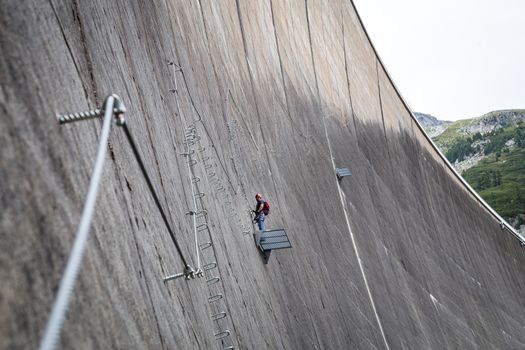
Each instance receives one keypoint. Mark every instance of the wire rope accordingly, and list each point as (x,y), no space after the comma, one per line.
(187,154)
(152,190)
(56,319)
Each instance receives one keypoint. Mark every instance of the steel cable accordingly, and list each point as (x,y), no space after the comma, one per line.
(56,319)
(152,190)
(198,267)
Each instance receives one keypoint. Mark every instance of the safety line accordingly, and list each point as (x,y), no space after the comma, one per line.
(152,190)
(56,319)
(192,184)
(183,121)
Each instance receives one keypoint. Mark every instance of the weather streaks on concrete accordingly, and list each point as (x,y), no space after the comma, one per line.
(274,96)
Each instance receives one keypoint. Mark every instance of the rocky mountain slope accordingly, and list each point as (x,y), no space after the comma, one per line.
(489,152)
(433,126)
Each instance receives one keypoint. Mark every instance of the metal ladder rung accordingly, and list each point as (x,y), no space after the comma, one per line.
(213,280)
(210,266)
(202,212)
(205,245)
(202,227)
(190,152)
(215,298)
(218,316)
(222,334)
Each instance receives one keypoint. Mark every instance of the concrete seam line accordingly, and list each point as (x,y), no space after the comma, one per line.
(354,244)
(56,319)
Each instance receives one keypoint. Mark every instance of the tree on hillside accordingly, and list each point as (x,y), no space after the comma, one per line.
(459,150)
(519,137)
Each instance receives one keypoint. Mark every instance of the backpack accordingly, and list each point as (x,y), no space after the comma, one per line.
(266,208)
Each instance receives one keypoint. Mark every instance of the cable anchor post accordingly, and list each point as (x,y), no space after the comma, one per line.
(118,113)
(188,274)
(56,319)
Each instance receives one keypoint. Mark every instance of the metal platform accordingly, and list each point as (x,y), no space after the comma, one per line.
(342,172)
(269,240)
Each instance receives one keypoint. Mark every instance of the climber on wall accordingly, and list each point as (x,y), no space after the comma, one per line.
(262,209)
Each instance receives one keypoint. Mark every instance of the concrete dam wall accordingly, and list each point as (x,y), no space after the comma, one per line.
(273,95)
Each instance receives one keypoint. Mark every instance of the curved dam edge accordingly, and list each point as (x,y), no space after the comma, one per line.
(272,95)
(498,217)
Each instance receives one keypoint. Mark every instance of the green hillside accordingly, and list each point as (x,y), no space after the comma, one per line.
(452,134)
(501,182)
(489,152)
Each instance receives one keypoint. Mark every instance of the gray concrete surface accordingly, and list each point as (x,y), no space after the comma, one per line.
(420,264)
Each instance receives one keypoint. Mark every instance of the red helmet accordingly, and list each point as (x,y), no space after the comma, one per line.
(258,195)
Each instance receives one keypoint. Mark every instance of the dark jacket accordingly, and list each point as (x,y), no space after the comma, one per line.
(260,204)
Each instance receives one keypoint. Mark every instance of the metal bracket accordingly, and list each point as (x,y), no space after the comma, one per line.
(188,274)
(177,67)
(118,112)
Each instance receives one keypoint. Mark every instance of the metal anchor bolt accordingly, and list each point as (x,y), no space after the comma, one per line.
(74,117)
(118,110)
